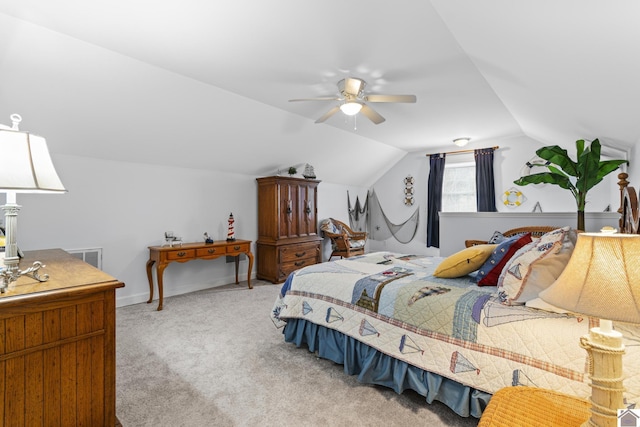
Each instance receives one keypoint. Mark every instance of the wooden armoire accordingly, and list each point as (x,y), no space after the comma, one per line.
(287,226)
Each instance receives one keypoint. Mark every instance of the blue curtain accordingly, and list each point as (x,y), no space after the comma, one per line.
(434,198)
(485,188)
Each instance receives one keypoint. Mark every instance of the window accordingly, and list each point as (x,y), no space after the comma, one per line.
(459,188)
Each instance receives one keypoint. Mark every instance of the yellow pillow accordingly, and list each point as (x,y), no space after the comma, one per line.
(464,262)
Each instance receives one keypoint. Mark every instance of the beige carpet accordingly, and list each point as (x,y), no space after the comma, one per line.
(214,358)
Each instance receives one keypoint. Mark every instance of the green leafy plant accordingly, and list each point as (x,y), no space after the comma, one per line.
(576,176)
(293,170)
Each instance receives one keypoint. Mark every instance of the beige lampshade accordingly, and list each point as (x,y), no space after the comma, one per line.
(602,278)
(26,164)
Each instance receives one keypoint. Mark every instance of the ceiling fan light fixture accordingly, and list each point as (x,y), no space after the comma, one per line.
(351,108)
(461,142)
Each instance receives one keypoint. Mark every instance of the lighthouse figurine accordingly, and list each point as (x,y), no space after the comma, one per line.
(231,234)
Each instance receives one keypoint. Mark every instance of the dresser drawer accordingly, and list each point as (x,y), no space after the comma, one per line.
(304,251)
(288,267)
(236,248)
(181,254)
(213,250)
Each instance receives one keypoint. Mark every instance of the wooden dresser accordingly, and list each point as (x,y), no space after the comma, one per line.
(287,226)
(57,345)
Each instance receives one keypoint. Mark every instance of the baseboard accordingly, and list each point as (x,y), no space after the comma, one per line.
(173,290)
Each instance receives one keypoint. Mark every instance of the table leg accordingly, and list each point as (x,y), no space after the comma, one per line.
(237,259)
(250,255)
(160,273)
(150,277)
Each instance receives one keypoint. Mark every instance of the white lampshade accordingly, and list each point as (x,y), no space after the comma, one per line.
(351,108)
(602,278)
(26,164)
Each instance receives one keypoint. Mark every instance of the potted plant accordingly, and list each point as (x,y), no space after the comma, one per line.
(576,176)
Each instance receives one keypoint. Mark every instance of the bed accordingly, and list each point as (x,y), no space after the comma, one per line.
(427,323)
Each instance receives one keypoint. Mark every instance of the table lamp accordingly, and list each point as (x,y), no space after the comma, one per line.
(602,279)
(26,168)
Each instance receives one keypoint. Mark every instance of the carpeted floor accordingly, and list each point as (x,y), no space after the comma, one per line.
(214,358)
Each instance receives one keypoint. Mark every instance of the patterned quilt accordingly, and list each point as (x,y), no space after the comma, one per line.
(451,327)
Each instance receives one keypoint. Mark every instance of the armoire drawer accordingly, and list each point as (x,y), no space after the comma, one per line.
(299,252)
(288,267)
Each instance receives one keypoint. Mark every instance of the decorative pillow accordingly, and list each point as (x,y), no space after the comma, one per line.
(356,243)
(535,267)
(329,226)
(497,237)
(540,304)
(464,262)
(489,272)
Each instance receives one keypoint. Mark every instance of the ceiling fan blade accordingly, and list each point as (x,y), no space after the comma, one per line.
(372,114)
(391,98)
(328,114)
(325,98)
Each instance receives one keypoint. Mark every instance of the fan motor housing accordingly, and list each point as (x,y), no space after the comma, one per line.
(351,87)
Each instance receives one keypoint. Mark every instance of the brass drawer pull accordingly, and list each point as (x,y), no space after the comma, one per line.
(301,254)
(236,248)
(182,253)
(299,263)
(212,251)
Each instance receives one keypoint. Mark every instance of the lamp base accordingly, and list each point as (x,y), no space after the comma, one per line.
(605,350)
(7,276)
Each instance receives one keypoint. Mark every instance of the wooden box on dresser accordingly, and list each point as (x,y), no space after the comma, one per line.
(57,345)
(287,226)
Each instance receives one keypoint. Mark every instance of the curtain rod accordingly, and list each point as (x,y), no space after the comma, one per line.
(461,151)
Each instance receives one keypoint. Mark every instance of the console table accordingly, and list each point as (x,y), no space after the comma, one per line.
(164,255)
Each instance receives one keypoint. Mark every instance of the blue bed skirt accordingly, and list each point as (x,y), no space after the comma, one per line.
(373,367)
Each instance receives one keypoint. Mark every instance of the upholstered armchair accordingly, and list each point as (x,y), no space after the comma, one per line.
(344,241)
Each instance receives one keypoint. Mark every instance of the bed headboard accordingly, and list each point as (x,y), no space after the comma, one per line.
(629,219)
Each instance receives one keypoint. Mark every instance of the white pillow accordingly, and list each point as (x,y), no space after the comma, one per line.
(535,267)
(540,304)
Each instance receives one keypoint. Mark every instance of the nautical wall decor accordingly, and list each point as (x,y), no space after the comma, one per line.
(408,190)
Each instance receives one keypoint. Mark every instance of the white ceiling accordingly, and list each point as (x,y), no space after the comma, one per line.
(555,71)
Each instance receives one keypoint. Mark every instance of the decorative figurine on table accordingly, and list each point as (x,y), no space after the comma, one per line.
(231,234)
(207,239)
(171,240)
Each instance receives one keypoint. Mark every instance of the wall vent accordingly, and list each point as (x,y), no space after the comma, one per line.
(92,256)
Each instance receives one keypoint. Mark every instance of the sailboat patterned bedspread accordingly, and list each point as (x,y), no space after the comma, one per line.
(451,327)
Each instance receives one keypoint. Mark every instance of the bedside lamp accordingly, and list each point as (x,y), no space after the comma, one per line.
(602,279)
(26,168)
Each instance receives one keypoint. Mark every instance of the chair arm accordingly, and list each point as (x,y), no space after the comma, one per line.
(358,235)
(333,235)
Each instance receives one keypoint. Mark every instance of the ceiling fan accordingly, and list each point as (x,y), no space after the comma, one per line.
(353,100)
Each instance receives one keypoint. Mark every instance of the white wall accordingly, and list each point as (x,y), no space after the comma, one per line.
(461,226)
(126,207)
(509,163)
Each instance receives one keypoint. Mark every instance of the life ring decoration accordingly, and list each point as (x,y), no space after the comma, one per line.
(513,198)
(533,164)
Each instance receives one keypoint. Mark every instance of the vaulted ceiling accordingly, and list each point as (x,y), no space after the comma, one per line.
(125,77)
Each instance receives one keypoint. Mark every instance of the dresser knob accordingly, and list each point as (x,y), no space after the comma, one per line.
(301,254)
(182,253)
(299,263)
(212,251)
(236,248)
